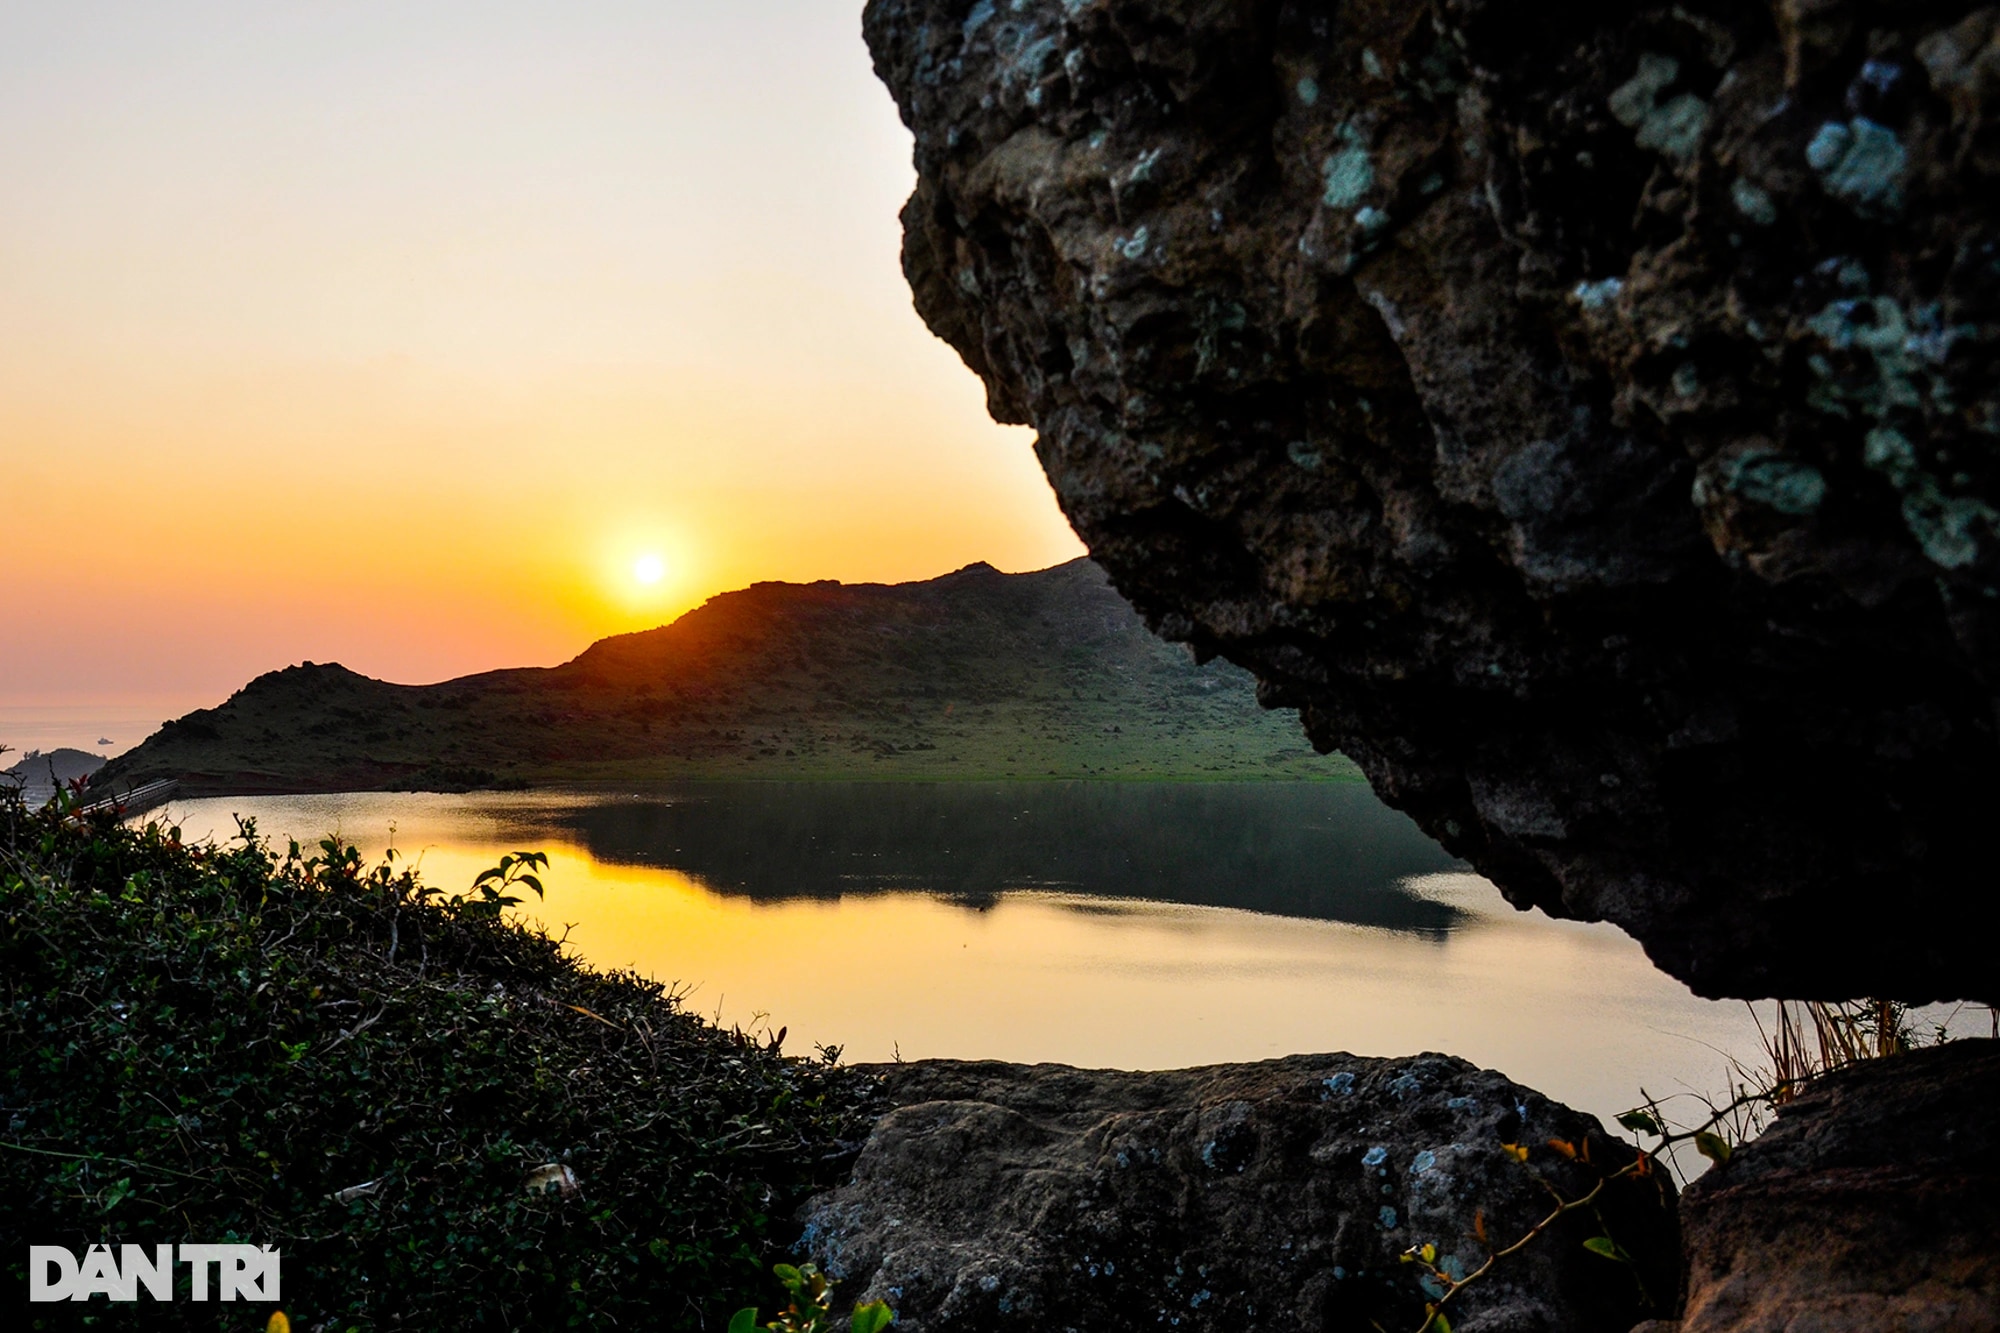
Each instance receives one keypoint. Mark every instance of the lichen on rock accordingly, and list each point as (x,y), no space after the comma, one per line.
(1498,385)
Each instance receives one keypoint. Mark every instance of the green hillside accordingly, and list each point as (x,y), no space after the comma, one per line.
(977,674)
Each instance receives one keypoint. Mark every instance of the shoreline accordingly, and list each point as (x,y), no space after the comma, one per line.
(195,788)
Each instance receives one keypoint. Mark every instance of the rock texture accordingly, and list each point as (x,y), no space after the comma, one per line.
(1873,1203)
(1241,1197)
(1584,414)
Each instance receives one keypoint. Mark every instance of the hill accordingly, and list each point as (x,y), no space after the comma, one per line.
(39,772)
(977,674)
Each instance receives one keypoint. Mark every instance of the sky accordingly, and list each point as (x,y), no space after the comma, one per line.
(421,337)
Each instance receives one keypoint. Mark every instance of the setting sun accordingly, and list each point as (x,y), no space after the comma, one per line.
(460,295)
(649,569)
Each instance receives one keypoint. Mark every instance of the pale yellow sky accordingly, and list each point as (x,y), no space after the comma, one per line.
(396,334)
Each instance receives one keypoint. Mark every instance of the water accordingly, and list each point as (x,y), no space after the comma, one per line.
(107,728)
(1129,925)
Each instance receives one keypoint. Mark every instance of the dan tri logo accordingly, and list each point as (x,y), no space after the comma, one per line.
(239,1272)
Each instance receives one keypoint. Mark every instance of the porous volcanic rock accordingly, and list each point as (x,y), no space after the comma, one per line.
(1584,414)
(1241,1197)
(1872,1203)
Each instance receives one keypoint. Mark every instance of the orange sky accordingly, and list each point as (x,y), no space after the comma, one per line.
(395,334)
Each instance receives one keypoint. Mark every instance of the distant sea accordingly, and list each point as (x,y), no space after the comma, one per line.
(82,726)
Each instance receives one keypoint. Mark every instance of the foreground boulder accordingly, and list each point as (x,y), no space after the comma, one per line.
(1241,1197)
(1872,1203)
(1584,414)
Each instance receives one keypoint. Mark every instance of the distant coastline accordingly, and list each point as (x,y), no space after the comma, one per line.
(39,772)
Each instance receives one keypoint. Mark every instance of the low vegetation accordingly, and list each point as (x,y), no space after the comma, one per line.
(1805,1040)
(812,1307)
(439,1118)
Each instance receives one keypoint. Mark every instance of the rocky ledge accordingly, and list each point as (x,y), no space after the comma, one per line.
(1584,414)
(1265,1196)
(1872,1203)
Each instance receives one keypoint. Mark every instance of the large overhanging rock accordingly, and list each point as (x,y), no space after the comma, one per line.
(1584,414)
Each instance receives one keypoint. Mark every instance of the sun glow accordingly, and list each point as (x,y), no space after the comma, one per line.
(593,356)
(640,571)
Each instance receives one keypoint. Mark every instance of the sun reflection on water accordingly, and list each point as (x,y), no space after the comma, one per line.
(1037,975)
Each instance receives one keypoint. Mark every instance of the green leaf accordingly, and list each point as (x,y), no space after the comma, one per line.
(1438,1323)
(1607,1247)
(872,1317)
(1712,1146)
(1641,1122)
(744,1321)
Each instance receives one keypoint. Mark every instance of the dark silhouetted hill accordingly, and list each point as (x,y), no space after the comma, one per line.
(39,772)
(975,674)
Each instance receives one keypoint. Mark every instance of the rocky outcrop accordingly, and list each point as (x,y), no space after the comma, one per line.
(1266,1196)
(1872,1203)
(1585,415)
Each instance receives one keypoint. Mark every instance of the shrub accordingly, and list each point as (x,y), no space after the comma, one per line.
(439,1118)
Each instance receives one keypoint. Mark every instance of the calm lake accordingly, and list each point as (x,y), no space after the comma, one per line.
(1135,925)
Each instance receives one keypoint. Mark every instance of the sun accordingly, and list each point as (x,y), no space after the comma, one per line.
(649,569)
